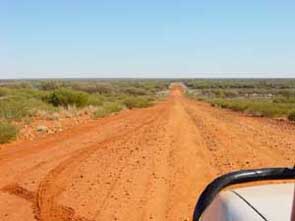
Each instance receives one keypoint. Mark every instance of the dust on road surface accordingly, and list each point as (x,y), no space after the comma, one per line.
(144,164)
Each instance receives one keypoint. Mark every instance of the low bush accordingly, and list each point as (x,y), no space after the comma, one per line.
(284,100)
(291,116)
(137,102)
(95,100)
(19,100)
(100,88)
(19,85)
(67,97)
(15,108)
(135,91)
(113,107)
(3,92)
(50,85)
(108,108)
(265,108)
(8,132)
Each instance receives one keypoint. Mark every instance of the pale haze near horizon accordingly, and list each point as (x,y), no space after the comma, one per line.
(140,39)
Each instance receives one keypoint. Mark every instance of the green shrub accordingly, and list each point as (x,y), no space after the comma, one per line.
(19,85)
(107,109)
(3,92)
(100,88)
(21,99)
(135,91)
(15,108)
(67,97)
(291,116)
(260,107)
(8,132)
(284,100)
(49,85)
(113,107)
(95,100)
(28,93)
(137,102)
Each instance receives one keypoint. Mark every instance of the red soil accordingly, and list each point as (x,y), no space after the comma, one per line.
(144,164)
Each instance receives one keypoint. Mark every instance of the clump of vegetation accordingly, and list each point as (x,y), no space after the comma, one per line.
(108,108)
(94,87)
(137,102)
(95,99)
(13,109)
(3,92)
(135,91)
(50,85)
(21,100)
(16,108)
(291,116)
(258,97)
(255,107)
(274,84)
(8,132)
(67,97)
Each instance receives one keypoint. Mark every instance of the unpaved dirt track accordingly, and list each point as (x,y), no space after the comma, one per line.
(145,164)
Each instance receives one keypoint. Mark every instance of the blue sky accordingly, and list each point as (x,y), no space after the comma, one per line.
(155,38)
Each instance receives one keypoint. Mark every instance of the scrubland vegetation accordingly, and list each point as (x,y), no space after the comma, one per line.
(260,97)
(7,132)
(21,100)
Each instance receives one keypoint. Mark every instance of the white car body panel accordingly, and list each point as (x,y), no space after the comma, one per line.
(266,202)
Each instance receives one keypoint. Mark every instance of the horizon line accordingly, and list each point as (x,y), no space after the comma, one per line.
(144,78)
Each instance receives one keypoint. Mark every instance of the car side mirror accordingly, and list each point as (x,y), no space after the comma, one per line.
(211,194)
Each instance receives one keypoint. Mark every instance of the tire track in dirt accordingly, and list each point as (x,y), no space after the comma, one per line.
(189,164)
(23,168)
(275,135)
(155,181)
(56,181)
(139,163)
(19,168)
(12,151)
(236,146)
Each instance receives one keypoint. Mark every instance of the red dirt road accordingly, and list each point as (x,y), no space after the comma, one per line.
(145,164)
